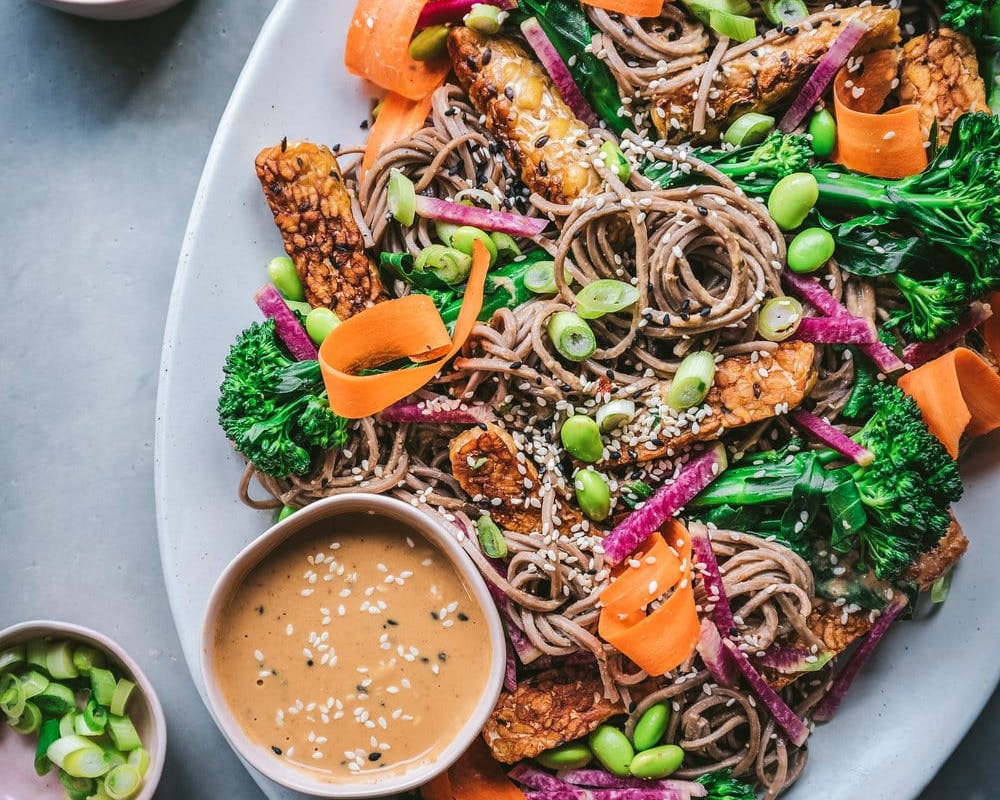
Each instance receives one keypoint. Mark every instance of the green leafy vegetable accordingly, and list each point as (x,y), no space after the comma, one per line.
(722,785)
(274,409)
(980,20)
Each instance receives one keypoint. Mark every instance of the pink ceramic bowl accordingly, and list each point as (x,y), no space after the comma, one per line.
(18,780)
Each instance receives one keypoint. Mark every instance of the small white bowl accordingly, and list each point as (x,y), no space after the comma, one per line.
(17,752)
(110,9)
(437,535)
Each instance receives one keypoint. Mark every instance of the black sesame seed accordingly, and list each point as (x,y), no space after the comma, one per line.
(543,168)
(516,364)
(581,142)
(487,55)
(685,316)
(309,663)
(791,31)
(627,31)
(364,124)
(374,756)
(462,617)
(541,141)
(284,144)
(610,373)
(276,750)
(391,622)
(450,112)
(434,615)
(442,656)
(336,148)
(757,391)
(703,211)
(509,92)
(482,426)
(260,610)
(706,311)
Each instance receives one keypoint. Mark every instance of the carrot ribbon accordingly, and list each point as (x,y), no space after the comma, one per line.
(958,393)
(400,117)
(662,639)
(378,48)
(886,145)
(409,327)
(991,328)
(630,8)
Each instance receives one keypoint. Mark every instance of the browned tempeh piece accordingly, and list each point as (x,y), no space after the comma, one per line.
(539,132)
(935,563)
(312,208)
(767,77)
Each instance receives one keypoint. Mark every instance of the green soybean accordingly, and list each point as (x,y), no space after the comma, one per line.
(792,199)
(572,755)
(658,762)
(286,512)
(613,749)
(430,43)
(319,322)
(651,726)
(582,438)
(593,494)
(282,273)
(810,250)
(823,129)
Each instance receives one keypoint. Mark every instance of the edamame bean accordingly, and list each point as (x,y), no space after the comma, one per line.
(613,749)
(651,726)
(572,755)
(592,494)
(286,512)
(319,322)
(823,129)
(810,250)
(463,237)
(430,43)
(282,273)
(659,762)
(792,199)
(582,438)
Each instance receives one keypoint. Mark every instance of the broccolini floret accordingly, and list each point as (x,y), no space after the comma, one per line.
(273,408)
(932,306)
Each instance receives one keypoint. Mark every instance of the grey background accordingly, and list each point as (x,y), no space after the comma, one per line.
(104,129)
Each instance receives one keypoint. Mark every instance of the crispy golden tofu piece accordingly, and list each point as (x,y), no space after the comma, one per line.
(312,208)
(745,391)
(539,133)
(932,565)
(545,711)
(486,464)
(767,77)
(939,73)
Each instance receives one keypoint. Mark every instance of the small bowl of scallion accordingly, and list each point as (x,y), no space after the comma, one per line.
(78,718)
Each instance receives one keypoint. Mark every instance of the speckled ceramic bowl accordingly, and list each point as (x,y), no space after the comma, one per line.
(110,9)
(18,780)
(287,774)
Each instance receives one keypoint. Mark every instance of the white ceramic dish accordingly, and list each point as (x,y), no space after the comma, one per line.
(110,9)
(17,752)
(330,508)
(935,674)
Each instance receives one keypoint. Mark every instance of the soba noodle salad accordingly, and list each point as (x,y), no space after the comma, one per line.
(678,315)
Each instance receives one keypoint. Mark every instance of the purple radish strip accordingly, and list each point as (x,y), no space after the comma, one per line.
(845,678)
(558,71)
(793,660)
(823,75)
(438,12)
(444,410)
(534,778)
(717,659)
(701,545)
(823,431)
(484,218)
(787,719)
(605,780)
(510,670)
(581,658)
(286,324)
(919,353)
(670,498)
(835,330)
(578,793)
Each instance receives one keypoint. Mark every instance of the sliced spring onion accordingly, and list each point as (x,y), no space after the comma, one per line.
(123,733)
(122,782)
(430,44)
(614,414)
(123,690)
(614,160)
(737,28)
(477,197)
(505,243)
(450,265)
(751,128)
(692,380)
(571,336)
(491,537)
(703,9)
(95,714)
(65,745)
(444,231)
(102,685)
(402,198)
(34,683)
(484,18)
(779,318)
(46,736)
(12,658)
(67,724)
(77,787)
(29,721)
(87,762)
(115,757)
(37,651)
(82,727)
(299,308)
(12,697)
(941,587)
(540,277)
(86,657)
(784,12)
(463,237)
(139,758)
(56,700)
(605,296)
(59,661)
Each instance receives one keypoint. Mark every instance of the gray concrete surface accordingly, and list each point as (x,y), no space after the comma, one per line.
(104,128)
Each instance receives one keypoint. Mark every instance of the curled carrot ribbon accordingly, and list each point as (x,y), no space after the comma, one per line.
(630,8)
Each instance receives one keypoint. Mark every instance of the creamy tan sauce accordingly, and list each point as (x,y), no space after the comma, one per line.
(353,650)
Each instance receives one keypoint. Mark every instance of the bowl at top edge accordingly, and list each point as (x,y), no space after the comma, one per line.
(17,752)
(302,521)
(110,9)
